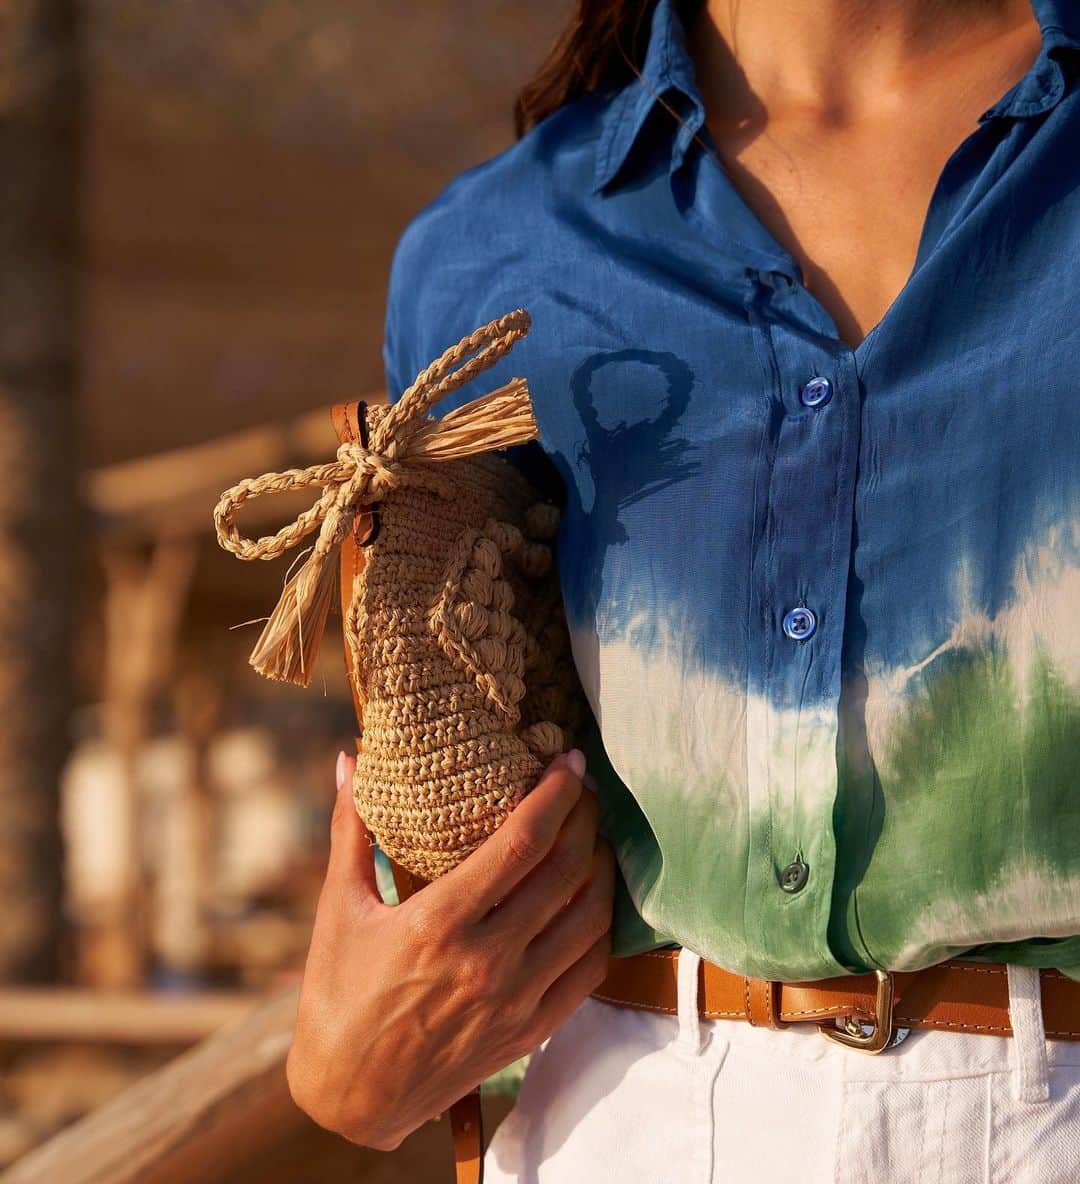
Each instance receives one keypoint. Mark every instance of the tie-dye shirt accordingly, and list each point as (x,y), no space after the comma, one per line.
(825,602)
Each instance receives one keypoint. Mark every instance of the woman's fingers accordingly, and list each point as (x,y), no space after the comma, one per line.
(352,852)
(568,991)
(576,928)
(547,889)
(489,873)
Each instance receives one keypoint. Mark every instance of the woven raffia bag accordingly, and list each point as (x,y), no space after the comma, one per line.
(457,648)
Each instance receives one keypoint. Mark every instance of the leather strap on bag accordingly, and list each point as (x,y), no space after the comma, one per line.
(467,1132)
(466,1114)
(955,995)
(466,1118)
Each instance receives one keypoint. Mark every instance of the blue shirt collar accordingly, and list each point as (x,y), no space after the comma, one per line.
(668,67)
(1043,85)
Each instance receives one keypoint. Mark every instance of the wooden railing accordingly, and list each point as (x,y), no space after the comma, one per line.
(221,1114)
(45,1015)
(199,1118)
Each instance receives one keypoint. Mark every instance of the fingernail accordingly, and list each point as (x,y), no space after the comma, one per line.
(342,770)
(575,762)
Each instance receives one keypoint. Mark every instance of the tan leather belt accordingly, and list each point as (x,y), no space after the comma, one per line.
(860,1011)
(956,995)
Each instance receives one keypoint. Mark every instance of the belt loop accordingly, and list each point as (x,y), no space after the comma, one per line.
(762,1002)
(689,1005)
(1031,1070)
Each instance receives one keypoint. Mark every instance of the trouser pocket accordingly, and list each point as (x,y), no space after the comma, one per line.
(924,1132)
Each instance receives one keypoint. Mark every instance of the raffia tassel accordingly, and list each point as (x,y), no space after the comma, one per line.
(288,646)
(500,419)
(403,443)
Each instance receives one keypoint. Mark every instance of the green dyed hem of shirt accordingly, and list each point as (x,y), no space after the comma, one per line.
(1059,953)
(506,1082)
(384,878)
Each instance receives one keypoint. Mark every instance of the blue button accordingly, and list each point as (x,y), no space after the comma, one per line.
(799,623)
(816,393)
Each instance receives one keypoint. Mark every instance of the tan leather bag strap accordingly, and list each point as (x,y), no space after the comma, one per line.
(466,1118)
(345,417)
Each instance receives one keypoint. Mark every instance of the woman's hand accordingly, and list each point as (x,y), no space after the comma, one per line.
(405,1008)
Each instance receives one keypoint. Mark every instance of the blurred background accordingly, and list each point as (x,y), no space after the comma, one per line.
(197,213)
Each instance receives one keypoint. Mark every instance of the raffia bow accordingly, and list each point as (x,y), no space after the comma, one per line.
(403,446)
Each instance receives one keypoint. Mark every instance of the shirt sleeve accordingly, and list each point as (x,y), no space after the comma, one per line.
(424,318)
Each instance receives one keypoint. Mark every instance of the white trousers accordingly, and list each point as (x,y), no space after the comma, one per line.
(623,1096)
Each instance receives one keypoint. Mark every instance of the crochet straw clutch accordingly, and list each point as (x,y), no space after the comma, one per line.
(456,644)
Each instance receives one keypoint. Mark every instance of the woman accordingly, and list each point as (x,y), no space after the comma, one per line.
(803,279)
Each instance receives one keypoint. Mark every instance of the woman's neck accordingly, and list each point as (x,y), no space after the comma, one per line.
(835,58)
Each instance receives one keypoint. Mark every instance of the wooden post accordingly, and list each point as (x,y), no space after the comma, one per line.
(184,942)
(39,519)
(145,601)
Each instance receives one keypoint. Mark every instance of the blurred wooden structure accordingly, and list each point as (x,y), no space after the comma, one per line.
(151,513)
(216,190)
(248,168)
(170,494)
(222,1113)
(133,1017)
(211,1106)
(39,518)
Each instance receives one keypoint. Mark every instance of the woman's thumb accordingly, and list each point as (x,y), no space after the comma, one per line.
(352,849)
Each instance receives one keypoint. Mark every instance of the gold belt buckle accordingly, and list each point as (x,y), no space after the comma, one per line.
(854,1034)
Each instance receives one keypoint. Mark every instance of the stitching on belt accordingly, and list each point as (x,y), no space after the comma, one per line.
(1000,972)
(832,1009)
(901,1019)
(646,1006)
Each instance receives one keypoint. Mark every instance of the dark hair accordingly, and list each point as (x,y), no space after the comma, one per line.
(601,48)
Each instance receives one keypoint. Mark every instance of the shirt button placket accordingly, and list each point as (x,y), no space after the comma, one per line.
(800,575)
